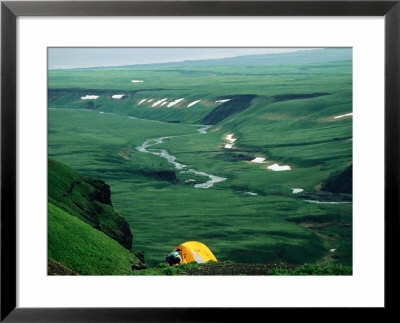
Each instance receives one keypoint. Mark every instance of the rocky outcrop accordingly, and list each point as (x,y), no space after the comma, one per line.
(101,192)
(89,199)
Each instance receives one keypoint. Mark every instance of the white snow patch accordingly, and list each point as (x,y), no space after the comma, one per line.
(323,202)
(193,103)
(101,112)
(222,101)
(163,103)
(251,193)
(89,97)
(297,190)
(150,100)
(137,81)
(332,250)
(275,167)
(158,102)
(118,96)
(231,140)
(258,160)
(141,101)
(171,104)
(344,115)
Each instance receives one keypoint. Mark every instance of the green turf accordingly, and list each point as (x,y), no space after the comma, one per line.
(88,199)
(80,248)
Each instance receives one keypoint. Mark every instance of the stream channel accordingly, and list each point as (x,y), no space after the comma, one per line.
(172,159)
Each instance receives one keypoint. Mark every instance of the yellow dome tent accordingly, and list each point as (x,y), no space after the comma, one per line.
(195,251)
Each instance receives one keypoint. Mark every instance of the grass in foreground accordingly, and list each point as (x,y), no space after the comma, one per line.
(239,269)
(323,270)
(83,249)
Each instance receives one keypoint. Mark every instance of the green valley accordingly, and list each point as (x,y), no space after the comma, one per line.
(268,181)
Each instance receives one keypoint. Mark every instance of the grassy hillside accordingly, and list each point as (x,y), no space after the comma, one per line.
(54,268)
(88,199)
(82,249)
(86,235)
(285,113)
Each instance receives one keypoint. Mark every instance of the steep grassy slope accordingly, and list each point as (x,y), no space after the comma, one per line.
(236,104)
(89,200)
(82,249)
(54,268)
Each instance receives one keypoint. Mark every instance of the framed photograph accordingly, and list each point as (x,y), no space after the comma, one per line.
(160,158)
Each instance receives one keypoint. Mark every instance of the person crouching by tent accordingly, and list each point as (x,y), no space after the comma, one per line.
(174,257)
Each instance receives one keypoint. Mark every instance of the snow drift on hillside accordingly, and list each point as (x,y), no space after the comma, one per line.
(222,101)
(344,115)
(193,103)
(158,102)
(137,81)
(171,104)
(118,96)
(251,193)
(275,167)
(141,101)
(89,97)
(230,140)
(326,202)
(297,190)
(258,160)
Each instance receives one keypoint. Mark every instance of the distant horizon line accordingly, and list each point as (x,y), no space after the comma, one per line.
(188,59)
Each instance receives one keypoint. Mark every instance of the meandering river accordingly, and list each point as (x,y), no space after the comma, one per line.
(172,159)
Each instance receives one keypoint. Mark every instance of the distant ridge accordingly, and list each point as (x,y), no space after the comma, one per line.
(301,56)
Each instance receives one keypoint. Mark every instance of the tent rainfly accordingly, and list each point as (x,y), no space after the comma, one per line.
(195,251)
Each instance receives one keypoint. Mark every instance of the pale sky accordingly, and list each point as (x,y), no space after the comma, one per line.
(63,58)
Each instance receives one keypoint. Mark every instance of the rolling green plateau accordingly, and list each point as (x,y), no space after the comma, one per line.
(268,180)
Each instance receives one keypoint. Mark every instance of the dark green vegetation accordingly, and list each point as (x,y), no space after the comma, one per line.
(85,235)
(323,270)
(89,200)
(236,104)
(242,269)
(340,182)
(284,113)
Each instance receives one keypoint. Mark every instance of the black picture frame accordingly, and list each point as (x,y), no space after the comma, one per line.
(10,10)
